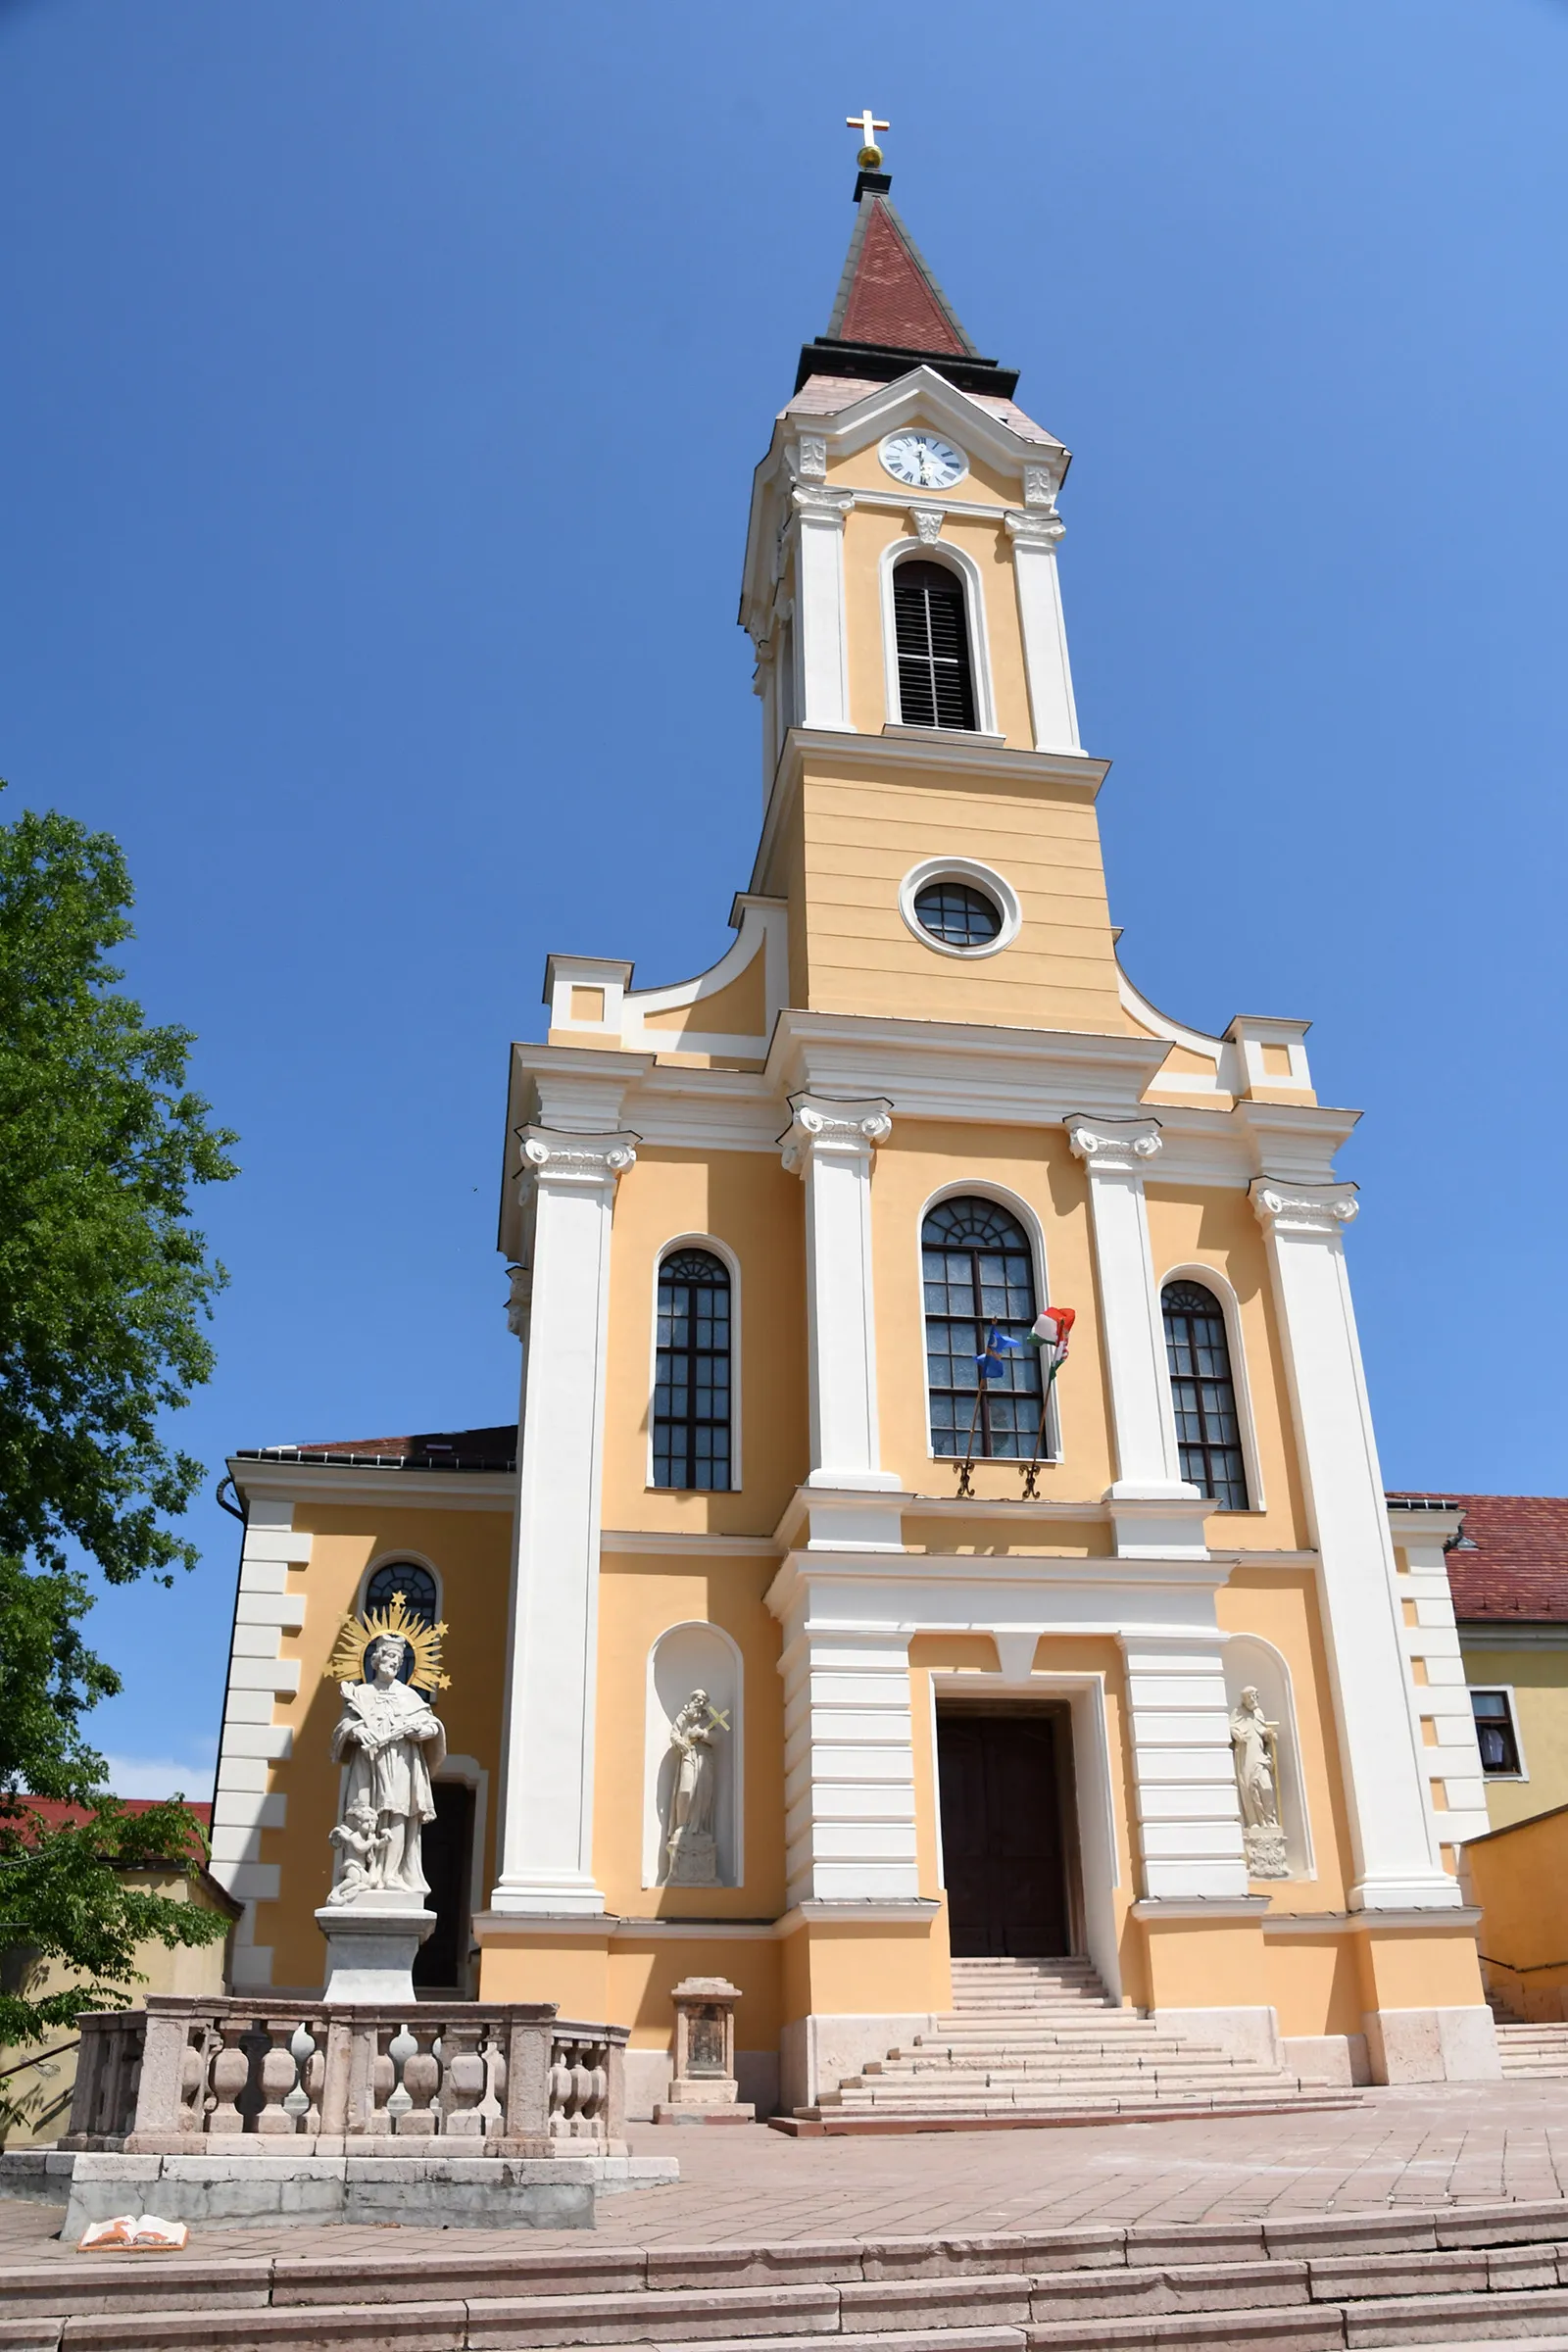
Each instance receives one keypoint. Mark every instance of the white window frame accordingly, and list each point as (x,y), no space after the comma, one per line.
(1506,1778)
(732,1265)
(1213,1281)
(957,560)
(982,1188)
(962,869)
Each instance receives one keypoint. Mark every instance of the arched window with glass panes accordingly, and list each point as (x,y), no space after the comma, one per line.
(1203,1387)
(692,1447)
(421,1598)
(978,1271)
(931,633)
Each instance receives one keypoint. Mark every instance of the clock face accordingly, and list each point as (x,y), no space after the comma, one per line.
(923,459)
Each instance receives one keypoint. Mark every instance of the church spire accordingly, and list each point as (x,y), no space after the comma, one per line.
(889,315)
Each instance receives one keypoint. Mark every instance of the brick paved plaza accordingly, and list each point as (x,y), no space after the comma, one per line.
(1454,2144)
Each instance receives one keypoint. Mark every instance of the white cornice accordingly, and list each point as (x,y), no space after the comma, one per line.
(962,1070)
(414,1490)
(940,751)
(688,1547)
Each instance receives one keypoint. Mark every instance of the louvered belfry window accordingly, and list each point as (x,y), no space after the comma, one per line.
(1203,1390)
(978,1270)
(935,684)
(691,1378)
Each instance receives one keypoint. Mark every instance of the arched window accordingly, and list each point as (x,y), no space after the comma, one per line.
(691,1374)
(416,1585)
(978,1271)
(1207,1428)
(931,631)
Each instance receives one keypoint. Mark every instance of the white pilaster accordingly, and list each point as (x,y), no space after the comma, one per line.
(820,638)
(545,1851)
(1162,1513)
(849,1766)
(1036,535)
(1451,1757)
(251,1743)
(830,1145)
(1189,1816)
(1393,1845)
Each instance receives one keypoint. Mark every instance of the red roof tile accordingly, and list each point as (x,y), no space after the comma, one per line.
(1511,1563)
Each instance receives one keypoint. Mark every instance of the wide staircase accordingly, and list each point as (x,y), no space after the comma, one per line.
(1039,2042)
(1452,2278)
(1529,2052)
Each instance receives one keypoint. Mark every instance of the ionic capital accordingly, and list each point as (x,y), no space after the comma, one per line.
(1318,1210)
(520,1300)
(1114,1147)
(840,1130)
(552,1156)
(821,508)
(1040,527)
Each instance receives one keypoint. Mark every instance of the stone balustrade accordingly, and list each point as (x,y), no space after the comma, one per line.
(192,2075)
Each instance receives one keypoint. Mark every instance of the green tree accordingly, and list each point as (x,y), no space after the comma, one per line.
(104,1291)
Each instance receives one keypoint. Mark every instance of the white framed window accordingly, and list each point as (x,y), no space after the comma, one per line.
(1503,1750)
(694,1418)
(982,1263)
(933,667)
(959,907)
(1209,1399)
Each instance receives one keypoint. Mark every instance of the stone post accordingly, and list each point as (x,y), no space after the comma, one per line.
(704,2089)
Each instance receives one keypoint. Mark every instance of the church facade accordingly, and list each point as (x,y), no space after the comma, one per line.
(802,1630)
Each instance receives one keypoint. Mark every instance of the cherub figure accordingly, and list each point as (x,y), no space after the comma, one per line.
(362,1844)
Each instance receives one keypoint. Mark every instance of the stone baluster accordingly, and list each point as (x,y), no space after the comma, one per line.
(420,2080)
(232,2072)
(303,2102)
(492,2107)
(201,2041)
(393,2099)
(463,2077)
(278,2077)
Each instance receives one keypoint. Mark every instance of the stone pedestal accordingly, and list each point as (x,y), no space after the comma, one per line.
(371,1945)
(704,2089)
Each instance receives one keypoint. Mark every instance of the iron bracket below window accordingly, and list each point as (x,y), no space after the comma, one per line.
(965,1482)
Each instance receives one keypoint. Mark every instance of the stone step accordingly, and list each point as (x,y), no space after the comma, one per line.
(1443,2279)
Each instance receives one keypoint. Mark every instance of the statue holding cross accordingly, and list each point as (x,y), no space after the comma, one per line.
(866,122)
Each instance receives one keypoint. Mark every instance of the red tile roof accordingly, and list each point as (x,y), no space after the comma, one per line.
(432,1450)
(1511,1563)
(57,1814)
(891,297)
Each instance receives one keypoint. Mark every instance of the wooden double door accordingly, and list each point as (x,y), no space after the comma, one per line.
(1001,1789)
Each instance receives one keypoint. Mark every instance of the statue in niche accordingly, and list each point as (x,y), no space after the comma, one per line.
(1254,1744)
(392,1739)
(690,1843)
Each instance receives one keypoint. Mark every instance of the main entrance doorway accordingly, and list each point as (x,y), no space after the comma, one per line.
(1001,1786)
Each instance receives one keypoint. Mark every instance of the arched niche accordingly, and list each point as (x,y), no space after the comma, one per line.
(1251,1661)
(694,1656)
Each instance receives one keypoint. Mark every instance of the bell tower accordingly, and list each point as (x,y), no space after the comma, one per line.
(918,721)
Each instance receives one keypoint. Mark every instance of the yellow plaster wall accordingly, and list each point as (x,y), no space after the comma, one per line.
(471,1549)
(984,484)
(1314,1982)
(749,1202)
(1032,1165)
(1540,1683)
(859,1970)
(1216,1227)
(738,1009)
(1519,1876)
(1281,1605)
(1434,1967)
(859,833)
(639,1599)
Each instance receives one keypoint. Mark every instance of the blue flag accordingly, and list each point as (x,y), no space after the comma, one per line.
(992,1362)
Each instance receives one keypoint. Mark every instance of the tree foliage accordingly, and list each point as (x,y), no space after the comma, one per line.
(105,1288)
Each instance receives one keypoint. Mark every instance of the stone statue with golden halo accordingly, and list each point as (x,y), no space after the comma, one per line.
(392,1740)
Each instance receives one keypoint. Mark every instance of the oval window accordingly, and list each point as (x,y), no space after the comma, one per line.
(958,915)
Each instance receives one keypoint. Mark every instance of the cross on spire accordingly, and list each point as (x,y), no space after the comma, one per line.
(866,124)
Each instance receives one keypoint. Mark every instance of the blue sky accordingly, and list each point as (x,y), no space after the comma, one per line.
(381,391)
